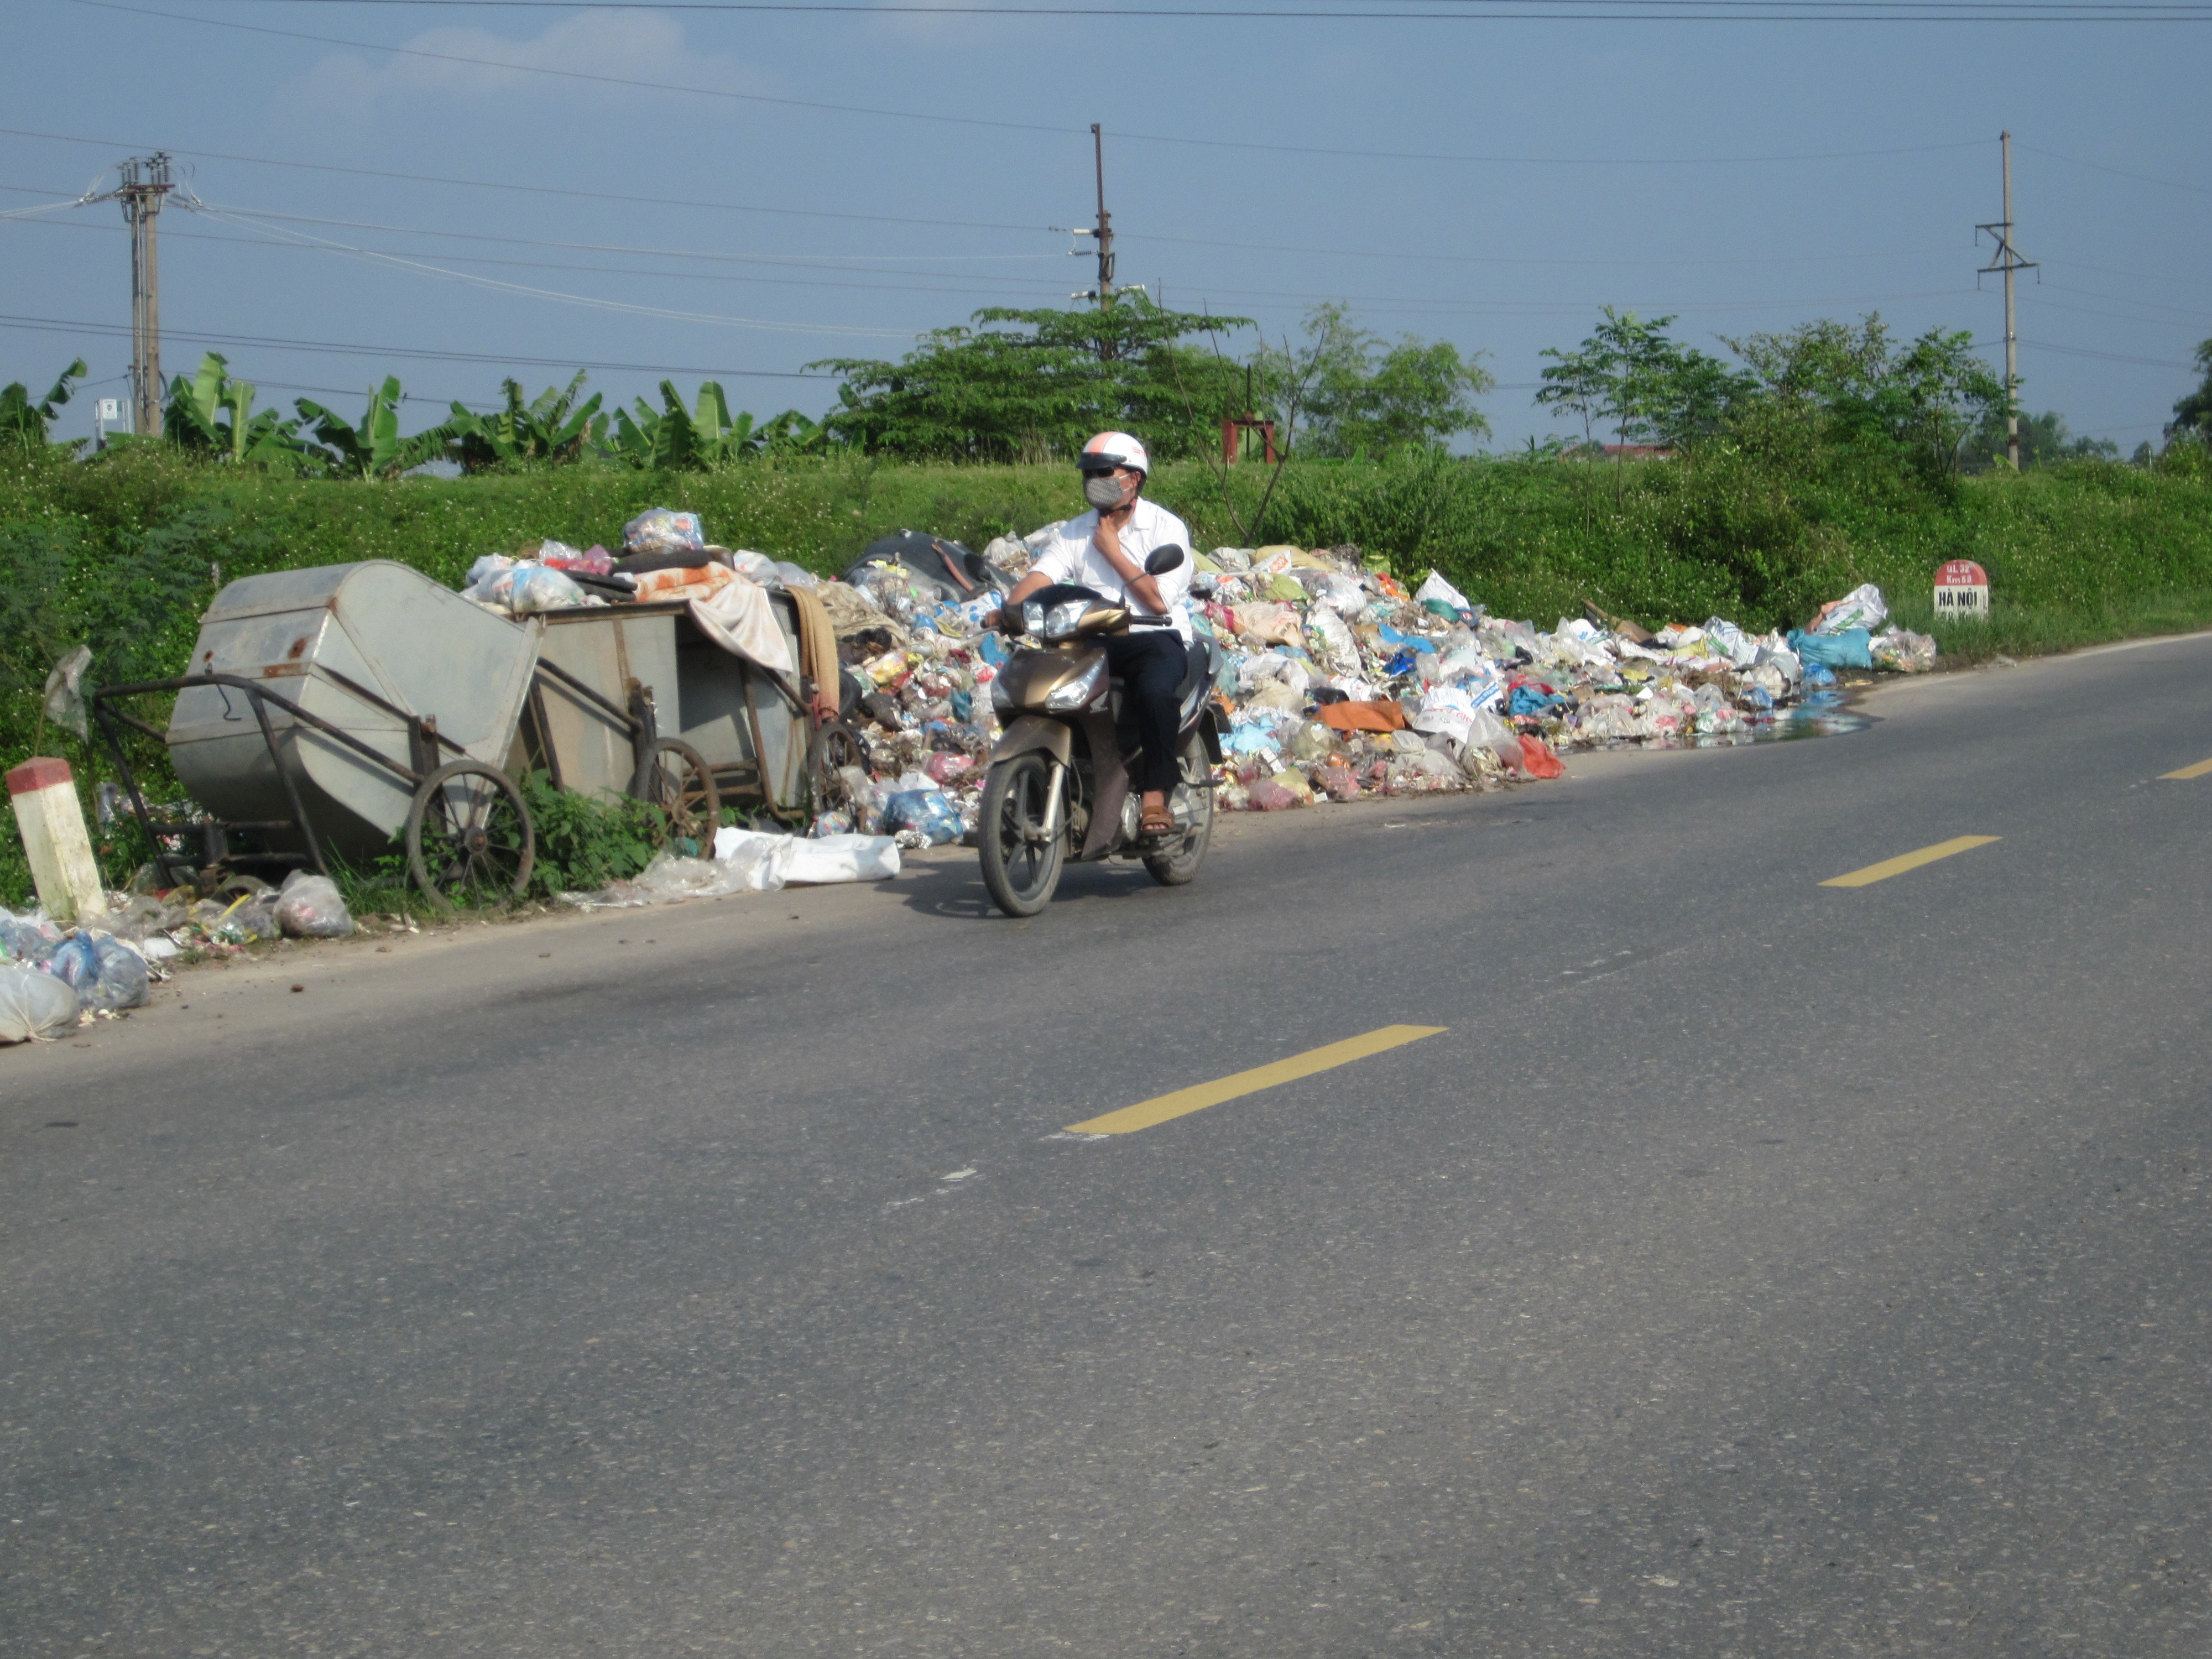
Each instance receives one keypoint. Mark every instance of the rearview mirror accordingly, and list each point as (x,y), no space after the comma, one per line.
(1162,560)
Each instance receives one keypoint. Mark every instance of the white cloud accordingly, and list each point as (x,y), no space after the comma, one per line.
(477,65)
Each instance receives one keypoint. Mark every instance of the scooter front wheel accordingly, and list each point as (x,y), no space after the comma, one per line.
(1021,861)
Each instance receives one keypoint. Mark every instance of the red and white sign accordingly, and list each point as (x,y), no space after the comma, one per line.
(1962,590)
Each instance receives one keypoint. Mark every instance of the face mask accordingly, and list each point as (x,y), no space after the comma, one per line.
(1102,491)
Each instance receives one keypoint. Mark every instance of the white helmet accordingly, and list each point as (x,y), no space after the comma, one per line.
(1111,449)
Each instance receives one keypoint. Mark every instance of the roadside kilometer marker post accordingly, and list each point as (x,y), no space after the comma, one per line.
(1962,592)
(1161,1107)
(1903,861)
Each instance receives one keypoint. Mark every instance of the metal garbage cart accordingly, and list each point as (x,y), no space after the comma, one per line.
(332,708)
(638,699)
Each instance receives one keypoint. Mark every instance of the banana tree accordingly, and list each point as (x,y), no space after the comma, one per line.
(791,434)
(554,428)
(24,422)
(673,439)
(245,438)
(373,448)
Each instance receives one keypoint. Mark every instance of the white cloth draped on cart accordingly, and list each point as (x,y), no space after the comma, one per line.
(740,618)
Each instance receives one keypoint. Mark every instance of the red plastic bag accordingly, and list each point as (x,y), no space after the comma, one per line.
(1541,762)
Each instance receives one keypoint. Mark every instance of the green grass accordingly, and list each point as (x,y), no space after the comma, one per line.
(125,552)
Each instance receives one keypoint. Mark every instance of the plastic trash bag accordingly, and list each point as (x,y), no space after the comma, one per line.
(662,529)
(1434,586)
(103,971)
(1848,649)
(1739,649)
(1902,651)
(1332,641)
(64,697)
(926,811)
(1862,608)
(28,939)
(35,1007)
(1445,710)
(829,858)
(308,906)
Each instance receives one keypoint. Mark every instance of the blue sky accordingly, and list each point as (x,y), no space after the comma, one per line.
(1743,175)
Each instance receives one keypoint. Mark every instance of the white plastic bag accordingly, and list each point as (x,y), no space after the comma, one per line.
(826,858)
(1434,586)
(1445,710)
(34,1006)
(1742,652)
(308,906)
(758,862)
(1862,607)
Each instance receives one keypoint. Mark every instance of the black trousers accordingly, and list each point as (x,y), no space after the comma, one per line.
(1150,663)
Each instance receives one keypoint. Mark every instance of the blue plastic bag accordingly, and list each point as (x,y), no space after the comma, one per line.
(1527,700)
(930,812)
(103,971)
(1846,650)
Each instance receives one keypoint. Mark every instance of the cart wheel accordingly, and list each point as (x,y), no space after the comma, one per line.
(469,837)
(682,784)
(835,746)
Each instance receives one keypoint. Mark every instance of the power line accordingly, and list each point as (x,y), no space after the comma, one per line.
(2117,172)
(1401,304)
(62,325)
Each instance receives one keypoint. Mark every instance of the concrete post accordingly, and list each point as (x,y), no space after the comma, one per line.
(44,795)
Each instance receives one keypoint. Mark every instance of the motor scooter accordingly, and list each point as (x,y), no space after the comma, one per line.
(1058,787)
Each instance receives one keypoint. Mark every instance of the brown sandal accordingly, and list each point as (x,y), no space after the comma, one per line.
(1157,824)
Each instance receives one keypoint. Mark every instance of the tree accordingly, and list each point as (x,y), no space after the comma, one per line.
(2193,414)
(552,430)
(1030,385)
(213,414)
(373,448)
(25,422)
(2043,441)
(1827,387)
(1365,397)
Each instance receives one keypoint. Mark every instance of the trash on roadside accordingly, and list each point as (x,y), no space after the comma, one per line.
(662,529)
(309,906)
(35,1006)
(1862,607)
(748,861)
(104,972)
(1848,649)
(27,941)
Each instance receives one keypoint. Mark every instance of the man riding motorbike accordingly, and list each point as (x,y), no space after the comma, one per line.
(1105,548)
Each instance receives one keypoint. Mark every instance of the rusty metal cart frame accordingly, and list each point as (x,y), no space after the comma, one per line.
(690,786)
(489,845)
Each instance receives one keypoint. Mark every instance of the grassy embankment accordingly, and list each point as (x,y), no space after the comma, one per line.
(125,552)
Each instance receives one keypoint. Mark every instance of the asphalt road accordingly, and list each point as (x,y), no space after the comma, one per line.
(1747,1267)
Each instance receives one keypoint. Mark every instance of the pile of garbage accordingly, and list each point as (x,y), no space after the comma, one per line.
(1338,682)
(53,979)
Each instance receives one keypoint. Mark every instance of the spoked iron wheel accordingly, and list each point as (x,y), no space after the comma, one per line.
(1021,862)
(1192,803)
(469,837)
(682,784)
(835,756)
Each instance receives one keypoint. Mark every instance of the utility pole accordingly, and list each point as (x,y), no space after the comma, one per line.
(145,182)
(2008,261)
(1105,232)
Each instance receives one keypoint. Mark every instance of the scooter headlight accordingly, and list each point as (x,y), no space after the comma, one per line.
(1062,621)
(1077,692)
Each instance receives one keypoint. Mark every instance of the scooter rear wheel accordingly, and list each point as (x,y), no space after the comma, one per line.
(1177,862)
(1021,862)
